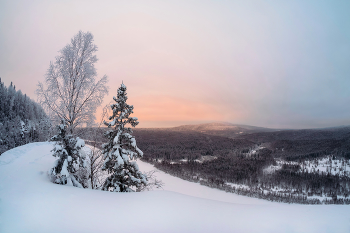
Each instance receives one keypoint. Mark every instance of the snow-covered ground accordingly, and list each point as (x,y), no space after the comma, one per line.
(200,160)
(326,164)
(30,203)
(279,163)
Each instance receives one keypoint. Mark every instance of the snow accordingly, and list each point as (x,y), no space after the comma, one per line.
(200,160)
(119,162)
(326,164)
(254,150)
(29,202)
(238,186)
(80,143)
(272,168)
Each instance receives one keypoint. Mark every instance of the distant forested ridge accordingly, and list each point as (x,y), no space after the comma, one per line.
(21,119)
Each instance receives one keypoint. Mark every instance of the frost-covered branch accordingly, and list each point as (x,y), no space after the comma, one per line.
(152,182)
(71,91)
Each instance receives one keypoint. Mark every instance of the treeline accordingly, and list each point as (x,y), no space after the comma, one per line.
(285,185)
(234,169)
(21,119)
(310,183)
(257,192)
(298,145)
(174,145)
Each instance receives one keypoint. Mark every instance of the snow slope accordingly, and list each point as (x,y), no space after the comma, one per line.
(178,185)
(30,203)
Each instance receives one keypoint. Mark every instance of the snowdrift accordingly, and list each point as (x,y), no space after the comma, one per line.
(29,202)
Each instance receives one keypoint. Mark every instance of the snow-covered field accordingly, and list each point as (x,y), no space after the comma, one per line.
(326,164)
(30,203)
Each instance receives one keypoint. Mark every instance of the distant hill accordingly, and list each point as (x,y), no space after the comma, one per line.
(300,134)
(290,144)
(224,129)
(305,143)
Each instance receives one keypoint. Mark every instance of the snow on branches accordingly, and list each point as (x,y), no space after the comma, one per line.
(70,162)
(72,92)
(121,152)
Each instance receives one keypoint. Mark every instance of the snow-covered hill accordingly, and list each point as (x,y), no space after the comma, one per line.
(30,203)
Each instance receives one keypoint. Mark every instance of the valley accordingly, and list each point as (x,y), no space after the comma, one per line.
(291,166)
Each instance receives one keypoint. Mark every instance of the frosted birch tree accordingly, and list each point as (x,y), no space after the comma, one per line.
(71,92)
(121,151)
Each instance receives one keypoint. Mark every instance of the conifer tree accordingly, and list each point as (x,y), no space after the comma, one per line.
(70,159)
(121,151)
(18,125)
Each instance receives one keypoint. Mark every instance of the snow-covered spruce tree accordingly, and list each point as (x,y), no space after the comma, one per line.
(70,159)
(121,151)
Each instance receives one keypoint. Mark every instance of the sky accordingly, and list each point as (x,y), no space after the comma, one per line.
(277,64)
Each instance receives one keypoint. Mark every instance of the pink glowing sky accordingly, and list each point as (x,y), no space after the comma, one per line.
(281,64)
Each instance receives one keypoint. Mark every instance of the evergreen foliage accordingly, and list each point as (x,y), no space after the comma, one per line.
(70,159)
(121,149)
(21,119)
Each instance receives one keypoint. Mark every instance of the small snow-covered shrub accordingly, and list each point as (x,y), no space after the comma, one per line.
(70,163)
